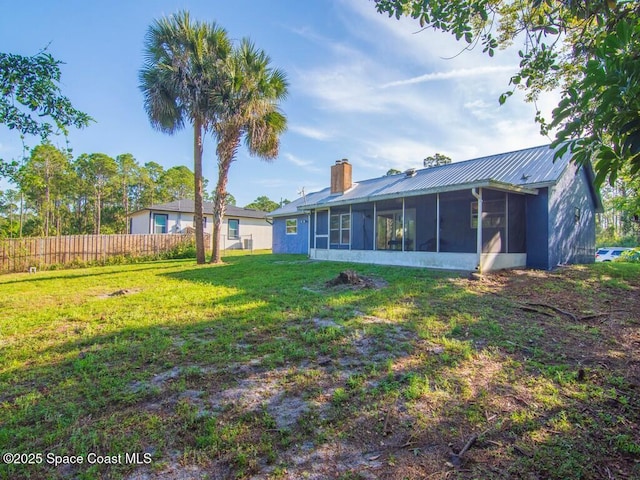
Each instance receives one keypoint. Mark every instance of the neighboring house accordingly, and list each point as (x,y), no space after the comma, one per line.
(535,213)
(241,227)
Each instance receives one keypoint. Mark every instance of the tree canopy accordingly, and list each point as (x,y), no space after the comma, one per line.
(31,100)
(264,204)
(60,195)
(589,50)
(436,160)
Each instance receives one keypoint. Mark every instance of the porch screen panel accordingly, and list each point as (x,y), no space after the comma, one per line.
(517,224)
(494,221)
(389,227)
(425,222)
(322,229)
(362,227)
(456,232)
(340,228)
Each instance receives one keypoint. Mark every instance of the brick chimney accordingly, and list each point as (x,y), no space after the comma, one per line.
(341,176)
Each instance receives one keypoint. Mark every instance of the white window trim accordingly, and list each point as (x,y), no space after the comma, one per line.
(237,235)
(286,226)
(340,229)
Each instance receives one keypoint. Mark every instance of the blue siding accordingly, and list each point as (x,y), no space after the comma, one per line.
(290,243)
(538,230)
(561,223)
(572,231)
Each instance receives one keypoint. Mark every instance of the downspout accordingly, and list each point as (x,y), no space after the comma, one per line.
(477,193)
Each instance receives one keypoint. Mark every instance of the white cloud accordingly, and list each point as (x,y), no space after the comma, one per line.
(398,153)
(462,73)
(307,165)
(391,99)
(310,132)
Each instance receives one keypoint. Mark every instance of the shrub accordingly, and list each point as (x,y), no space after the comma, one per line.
(632,256)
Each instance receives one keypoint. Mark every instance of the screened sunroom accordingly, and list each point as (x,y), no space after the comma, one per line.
(438,228)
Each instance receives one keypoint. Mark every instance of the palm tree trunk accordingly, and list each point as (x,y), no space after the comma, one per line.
(21,212)
(47,207)
(199,207)
(98,212)
(226,154)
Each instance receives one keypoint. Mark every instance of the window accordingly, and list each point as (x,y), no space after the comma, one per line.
(340,229)
(493,214)
(234,229)
(160,221)
(292,226)
(392,234)
(204,221)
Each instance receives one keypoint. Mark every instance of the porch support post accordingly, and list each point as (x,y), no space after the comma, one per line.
(315,233)
(329,229)
(506,216)
(375,225)
(478,194)
(404,231)
(350,225)
(437,222)
(309,235)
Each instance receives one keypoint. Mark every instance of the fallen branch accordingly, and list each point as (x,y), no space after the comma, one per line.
(555,309)
(522,451)
(456,458)
(386,422)
(534,310)
(593,316)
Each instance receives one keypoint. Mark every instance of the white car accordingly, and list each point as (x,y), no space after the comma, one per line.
(606,254)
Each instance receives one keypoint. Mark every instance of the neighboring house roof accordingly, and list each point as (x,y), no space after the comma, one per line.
(187,205)
(520,171)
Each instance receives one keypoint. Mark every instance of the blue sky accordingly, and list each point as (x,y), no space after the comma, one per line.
(362,86)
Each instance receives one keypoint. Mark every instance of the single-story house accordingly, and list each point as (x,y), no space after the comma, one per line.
(242,228)
(516,209)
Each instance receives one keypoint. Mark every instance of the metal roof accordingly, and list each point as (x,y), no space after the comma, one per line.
(522,170)
(187,205)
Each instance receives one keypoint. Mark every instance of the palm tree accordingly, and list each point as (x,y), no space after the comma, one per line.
(246,105)
(182,59)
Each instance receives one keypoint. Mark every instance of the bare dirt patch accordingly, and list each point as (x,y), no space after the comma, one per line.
(504,392)
(352,279)
(119,293)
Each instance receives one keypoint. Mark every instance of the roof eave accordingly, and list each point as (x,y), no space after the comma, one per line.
(489,183)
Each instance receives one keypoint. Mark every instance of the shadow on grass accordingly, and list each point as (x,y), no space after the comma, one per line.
(70,273)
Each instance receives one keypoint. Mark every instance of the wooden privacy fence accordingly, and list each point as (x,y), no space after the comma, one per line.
(18,254)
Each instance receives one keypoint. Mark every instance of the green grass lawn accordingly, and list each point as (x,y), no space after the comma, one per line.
(256,367)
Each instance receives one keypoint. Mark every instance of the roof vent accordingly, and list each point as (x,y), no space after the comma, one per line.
(410,172)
